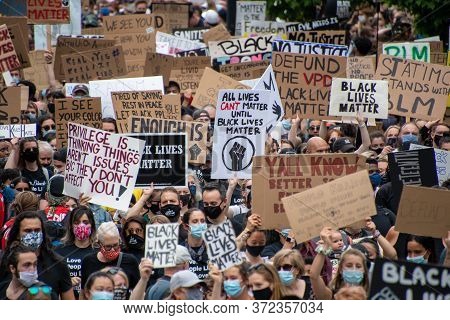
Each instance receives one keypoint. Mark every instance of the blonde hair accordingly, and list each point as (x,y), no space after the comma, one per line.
(338,281)
(295,257)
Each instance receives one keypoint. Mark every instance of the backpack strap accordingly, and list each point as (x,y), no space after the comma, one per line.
(119,262)
(45,171)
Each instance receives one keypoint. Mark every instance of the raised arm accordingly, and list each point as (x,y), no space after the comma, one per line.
(137,208)
(365,137)
(320,289)
(145,270)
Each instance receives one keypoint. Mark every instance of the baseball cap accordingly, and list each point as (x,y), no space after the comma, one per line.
(200,113)
(344,145)
(184,279)
(211,16)
(182,255)
(80,89)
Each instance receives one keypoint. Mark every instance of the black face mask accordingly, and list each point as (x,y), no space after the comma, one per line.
(263,294)
(51,107)
(171,211)
(154,207)
(206,173)
(378,150)
(213,212)
(437,139)
(134,242)
(185,198)
(255,251)
(30,155)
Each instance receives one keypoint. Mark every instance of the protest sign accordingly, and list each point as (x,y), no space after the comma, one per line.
(94,65)
(247,11)
(20,41)
(268,82)
(202,52)
(197,133)
(8,57)
(320,24)
(135,45)
(209,86)
(188,71)
(48,11)
(408,50)
(141,104)
(192,34)
(261,56)
(239,131)
(21,21)
(442,158)
(329,36)
(216,33)
(164,160)
(101,165)
(241,46)
(177,44)
(309,48)
(402,280)
(10,100)
(10,131)
(85,111)
(177,14)
(68,44)
(276,177)
(134,23)
(350,96)
(245,70)
(93,30)
(103,89)
(439,58)
(161,244)
(423,212)
(256,27)
(337,204)
(221,245)
(37,72)
(158,64)
(416,89)
(304,82)
(361,68)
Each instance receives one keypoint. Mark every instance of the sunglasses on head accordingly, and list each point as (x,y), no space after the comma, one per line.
(113,271)
(52,127)
(257,267)
(47,290)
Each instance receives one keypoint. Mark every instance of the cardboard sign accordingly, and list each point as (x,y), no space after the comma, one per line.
(329,36)
(197,133)
(134,23)
(20,41)
(103,89)
(276,177)
(158,64)
(402,280)
(221,245)
(192,34)
(442,158)
(101,165)
(309,48)
(68,45)
(85,111)
(268,82)
(423,212)
(416,89)
(140,104)
(8,56)
(241,46)
(202,52)
(161,244)
(361,67)
(321,24)
(339,203)
(246,70)
(261,56)
(135,45)
(177,44)
(177,14)
(209,86)
(256,27)
(304,82)
(10,99)
(247,11)
(408,50)
(239,132)
(10,131)
(188,71)
(350,96)
(37,73)
(164,160)
(216,33)
(48,12)
(94,65)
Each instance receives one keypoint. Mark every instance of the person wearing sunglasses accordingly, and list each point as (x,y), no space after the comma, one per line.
(265,283)
(109,255)
(314,128)
(291,268)
(47,125)
(39,291)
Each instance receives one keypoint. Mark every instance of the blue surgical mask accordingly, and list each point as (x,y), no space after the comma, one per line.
(32,239)
(46,132)
(375,179)
(286,125)
(102,295)
(15,79)
(353,277)
(232,288)
(286,277)
(198,229)
(193,189)
(285,232)
(418,259)
(194,294)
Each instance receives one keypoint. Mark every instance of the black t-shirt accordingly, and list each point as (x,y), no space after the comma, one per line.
(91,264)
(37,180)
(54,273)
(199,260)
(73,256)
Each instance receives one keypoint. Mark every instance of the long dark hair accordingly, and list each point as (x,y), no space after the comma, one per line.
(427,243)
(75,215)
(21,164)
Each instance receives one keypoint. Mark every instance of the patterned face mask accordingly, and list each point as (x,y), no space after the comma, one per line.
(82,231)
(32,239)
(120,293)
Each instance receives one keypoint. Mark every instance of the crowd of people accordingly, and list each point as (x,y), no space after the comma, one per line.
(57,247)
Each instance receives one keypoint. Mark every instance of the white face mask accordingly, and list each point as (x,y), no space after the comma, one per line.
(28,278)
